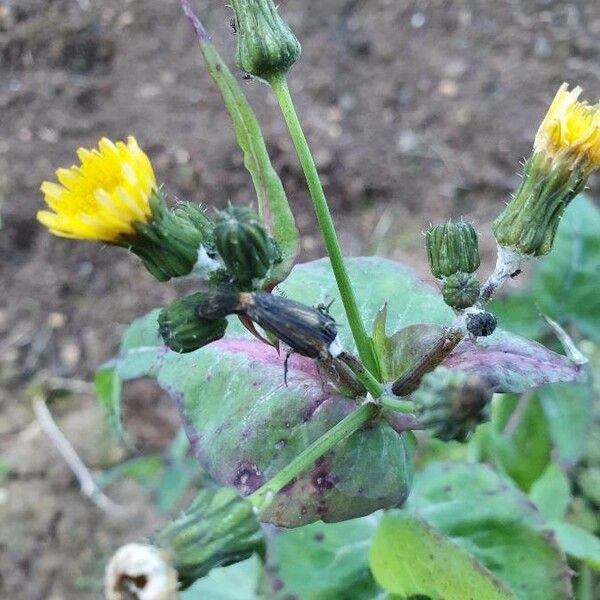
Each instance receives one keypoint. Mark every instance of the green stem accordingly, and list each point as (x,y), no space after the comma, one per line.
(263,496)
(402,406)
(585,583)
(362,340)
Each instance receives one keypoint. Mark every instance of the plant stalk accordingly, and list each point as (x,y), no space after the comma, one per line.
(263,496)
(362,340)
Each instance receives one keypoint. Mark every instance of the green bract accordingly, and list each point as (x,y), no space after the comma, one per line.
(529,222)
(219,528)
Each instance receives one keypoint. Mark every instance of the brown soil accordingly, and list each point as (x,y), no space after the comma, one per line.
(417,111)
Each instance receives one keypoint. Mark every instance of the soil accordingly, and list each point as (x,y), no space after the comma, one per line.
(417,111)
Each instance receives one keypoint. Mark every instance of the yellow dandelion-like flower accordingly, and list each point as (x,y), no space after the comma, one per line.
(570,131)
(104,196)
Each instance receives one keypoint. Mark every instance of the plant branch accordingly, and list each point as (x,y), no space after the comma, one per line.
(362,340)
(263,496)
(89,487)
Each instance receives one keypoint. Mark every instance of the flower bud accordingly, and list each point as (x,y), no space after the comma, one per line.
(219,528)
(565,151)
(461,290)
(183,330)
(481,323)
(244,245)
(266,46)
(451,248)
(451,403)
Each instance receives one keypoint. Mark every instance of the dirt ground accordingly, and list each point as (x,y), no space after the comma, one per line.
(417,111)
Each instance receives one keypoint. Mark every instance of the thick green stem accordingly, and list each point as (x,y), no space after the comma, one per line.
(264,495)
(362,340)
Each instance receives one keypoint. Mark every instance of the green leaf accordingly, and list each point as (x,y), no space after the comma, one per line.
(410,558)
(551,493)
(143,469)
(236,582)
(564,284)
(486,515)
(568,410)
(244,424)
(321,562)
(376,281)
(578,543)
(514,450)
(108,387)
(273,206)
(398,352)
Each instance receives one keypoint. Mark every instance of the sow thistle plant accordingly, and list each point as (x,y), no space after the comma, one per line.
(295,398)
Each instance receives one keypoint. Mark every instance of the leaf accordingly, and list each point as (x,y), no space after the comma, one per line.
(273,206)
(244,424)
(551,493)
(489,517)
(512,447)
(578,543)
(410,558)
(143,469)
(399,352)
(564,284)
(108,387)
(236,582)
(510,363)
(376,281)
(568,410)
(321,562)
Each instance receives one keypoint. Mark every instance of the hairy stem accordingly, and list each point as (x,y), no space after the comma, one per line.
(362,340)
(264,495)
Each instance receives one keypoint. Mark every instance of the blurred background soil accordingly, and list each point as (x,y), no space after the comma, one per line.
(417,111)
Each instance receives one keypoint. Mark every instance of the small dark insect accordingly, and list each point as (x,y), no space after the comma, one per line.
(307,330)
(233,25)
(515,274)
(481,324)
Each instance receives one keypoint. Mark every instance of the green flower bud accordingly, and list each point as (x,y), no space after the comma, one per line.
(219,528)
(244,245)
(529,222)
(451,248)
(169,243)
(461,290)
(266,46)
(183,330)
(451,403)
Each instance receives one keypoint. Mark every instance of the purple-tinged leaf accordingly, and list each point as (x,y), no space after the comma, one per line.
(512,364)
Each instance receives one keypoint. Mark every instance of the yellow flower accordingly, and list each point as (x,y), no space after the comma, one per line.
(102,197)
(570,132)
